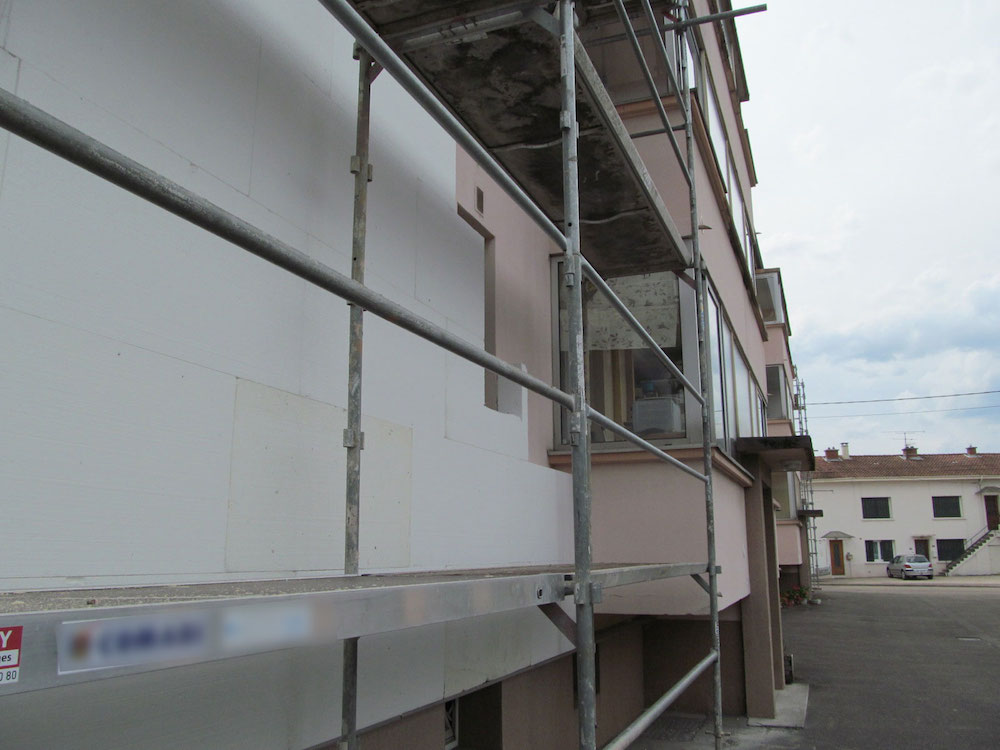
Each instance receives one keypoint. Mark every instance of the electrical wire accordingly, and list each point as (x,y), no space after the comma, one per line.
(902,398)
(900,413)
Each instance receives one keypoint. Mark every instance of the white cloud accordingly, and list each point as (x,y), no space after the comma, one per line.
(875,141)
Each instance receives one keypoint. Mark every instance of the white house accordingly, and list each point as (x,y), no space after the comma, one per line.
(943,506)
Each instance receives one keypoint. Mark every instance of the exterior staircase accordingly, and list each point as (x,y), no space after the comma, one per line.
(972,547)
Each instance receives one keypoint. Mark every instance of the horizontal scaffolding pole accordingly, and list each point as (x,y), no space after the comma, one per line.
(627,575)
(653,92)
(651,23)
(591,273)
(651,714)
(44,130)
(681,24)
(655,131)
(610,424)
(394,65)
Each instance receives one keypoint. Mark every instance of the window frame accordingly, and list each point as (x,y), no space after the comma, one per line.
(888,507)
(688,342)
(725,350)
(942,558)
(875,550)
(935,508)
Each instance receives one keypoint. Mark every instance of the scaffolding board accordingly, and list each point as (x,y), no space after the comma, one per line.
(504,87)
(79,635)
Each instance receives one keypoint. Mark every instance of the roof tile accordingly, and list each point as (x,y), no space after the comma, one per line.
(928,465)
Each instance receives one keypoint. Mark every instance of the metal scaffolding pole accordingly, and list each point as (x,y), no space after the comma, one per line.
(586,671)
(704,362)
(353,436)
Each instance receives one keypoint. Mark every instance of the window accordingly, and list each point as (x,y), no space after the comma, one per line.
(949,549)
(718,389)
(875,507)
(779,396)
(737,402)
(625,380)
(771,296)
(947,507)
(878,550)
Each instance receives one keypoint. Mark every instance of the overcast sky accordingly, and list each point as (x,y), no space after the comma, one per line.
(875,129)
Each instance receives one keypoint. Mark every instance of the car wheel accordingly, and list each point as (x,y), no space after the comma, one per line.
(902,575)
(888,572)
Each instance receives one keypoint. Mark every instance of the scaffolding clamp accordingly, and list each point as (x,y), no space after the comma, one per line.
(588,593)
(354,438)
(356,167)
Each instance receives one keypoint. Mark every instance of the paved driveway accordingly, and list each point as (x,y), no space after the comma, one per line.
(888,667)
(899,667)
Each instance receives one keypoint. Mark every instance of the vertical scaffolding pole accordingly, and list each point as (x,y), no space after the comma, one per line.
(353,437)
(805,485)
(704,365)
(579,430)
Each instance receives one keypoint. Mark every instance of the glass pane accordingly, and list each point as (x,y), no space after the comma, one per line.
(727,369)
(946,507)
(718,391)
(949,549)
(717,134)
(744,405)
(625,380)
(871,551)
(886,545)
(875,507)
(692,77)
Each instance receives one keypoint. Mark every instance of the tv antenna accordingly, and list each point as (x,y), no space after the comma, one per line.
(905,434)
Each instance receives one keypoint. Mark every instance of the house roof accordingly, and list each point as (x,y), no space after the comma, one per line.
(928,465)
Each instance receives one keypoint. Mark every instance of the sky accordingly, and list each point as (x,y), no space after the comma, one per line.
(875,130)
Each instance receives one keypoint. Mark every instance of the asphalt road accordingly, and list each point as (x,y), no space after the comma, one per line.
(907,667)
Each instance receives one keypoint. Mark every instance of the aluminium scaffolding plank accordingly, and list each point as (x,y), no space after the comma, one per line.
(503,84)
(78,635)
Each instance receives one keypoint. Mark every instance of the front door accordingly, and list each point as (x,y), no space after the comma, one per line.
(992,514)
(922,547)
(837,557)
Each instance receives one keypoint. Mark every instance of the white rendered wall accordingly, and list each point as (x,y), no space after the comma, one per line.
(173,407)
(162,380)
(985,562)
(912,517)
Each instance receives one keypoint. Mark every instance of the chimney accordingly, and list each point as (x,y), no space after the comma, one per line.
(846,454)
(832,455)
(970,451)
(909,451)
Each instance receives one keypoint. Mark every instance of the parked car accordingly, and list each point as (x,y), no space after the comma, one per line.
(909,566)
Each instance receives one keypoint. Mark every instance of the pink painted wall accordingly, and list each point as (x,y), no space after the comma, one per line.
(653,513)
(523,290)
(789,543)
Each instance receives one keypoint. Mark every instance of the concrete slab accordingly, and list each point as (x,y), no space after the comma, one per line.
(790,707)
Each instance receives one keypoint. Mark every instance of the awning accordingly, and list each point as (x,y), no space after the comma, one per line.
(837,535)
(783,453)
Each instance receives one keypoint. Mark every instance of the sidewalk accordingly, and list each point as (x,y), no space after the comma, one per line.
(945,581)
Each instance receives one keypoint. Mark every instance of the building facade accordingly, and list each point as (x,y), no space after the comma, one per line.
(179,411)
(942,506)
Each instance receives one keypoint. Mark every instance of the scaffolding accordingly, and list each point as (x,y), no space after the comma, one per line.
(806,495)
(640,235)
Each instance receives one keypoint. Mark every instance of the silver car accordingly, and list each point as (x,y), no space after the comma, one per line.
(909,566)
